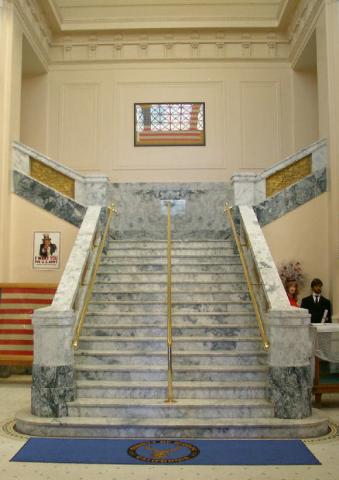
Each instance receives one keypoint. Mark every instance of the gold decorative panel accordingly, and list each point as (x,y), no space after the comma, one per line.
(51,177)
(288,175)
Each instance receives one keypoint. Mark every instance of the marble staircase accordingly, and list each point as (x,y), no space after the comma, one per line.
(218,359)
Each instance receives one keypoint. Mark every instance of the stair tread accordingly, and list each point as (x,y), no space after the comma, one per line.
(159,368)
(160,402)
(191,353)
(127,325)
(170,422)
(183,282)
(181,292)
(176,384)
(150,314)
(174,255)
(151,302)
(184,244)
(177,339)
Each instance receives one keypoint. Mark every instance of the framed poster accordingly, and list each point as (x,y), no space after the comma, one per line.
(169,124)
(46,250)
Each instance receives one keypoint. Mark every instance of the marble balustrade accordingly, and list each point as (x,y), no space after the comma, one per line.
(90,188)
(53,382)
(47,198)
(197,213)
(249,188)
(289,380)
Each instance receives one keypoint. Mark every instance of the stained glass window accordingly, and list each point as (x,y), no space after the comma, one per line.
(169,124)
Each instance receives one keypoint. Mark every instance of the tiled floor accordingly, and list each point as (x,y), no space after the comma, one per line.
(15,395)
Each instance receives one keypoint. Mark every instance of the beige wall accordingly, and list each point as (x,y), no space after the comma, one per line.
(26,219)
(10,88)
(305,105)
(327,31)
(33,125)
(248,118)
(301,235)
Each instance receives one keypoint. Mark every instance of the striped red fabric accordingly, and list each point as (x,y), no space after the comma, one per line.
(17,304)
(39,301)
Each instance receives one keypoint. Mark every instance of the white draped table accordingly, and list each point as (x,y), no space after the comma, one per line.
(326,347)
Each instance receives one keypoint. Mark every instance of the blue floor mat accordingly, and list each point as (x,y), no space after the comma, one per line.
(164,452)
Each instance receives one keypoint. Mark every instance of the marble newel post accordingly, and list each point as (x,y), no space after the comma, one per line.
(289,382)
(53,382)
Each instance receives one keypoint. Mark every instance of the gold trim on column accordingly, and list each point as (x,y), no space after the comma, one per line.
(51,177)
(287,176)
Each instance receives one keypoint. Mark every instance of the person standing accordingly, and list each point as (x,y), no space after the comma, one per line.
(291,288)
(318,306)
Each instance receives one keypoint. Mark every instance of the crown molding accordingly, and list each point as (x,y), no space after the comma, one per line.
(218,45)
(35,28)
(52,13)
(42,21)
(302,26)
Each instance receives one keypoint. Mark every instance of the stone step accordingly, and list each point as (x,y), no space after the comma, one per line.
(192,373)
(231,259)
(181,358)
(105,274)
(176,268)
(132,330)
(100,427)
(176,252)
(121,244)
(198,297)
(196,390)
(192,318)
(179,343)
(183,408)
(177,307)
(186,287)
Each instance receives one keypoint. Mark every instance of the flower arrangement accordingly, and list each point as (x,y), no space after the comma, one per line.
(291,271)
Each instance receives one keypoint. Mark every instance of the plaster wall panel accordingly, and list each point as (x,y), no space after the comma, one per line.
(78,125)
(305,97)
(260,123)
(91,108)
(299,236)
(21,265)
(34,97)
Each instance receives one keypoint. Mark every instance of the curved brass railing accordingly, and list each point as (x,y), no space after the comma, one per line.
(75,341)
(170,396)
(228,212)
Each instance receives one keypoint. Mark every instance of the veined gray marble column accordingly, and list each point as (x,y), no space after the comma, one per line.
(289,384)
(53,382)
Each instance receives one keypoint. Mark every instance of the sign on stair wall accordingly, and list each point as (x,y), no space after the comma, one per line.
(46,250)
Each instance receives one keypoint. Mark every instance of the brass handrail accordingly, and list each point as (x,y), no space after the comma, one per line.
(266,343)
(75,341)
(170,396)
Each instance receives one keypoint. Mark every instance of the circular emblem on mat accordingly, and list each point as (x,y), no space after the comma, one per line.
(163,451)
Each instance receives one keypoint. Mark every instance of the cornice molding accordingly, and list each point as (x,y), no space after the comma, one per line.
(302,26)
(221,44)
(169,46)
(35,27)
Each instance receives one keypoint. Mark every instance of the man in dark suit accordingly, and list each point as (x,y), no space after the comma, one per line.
(318,306)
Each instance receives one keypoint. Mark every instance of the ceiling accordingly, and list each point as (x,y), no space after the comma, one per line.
(104,15)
